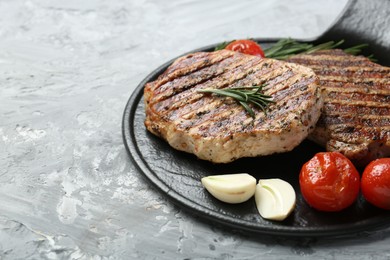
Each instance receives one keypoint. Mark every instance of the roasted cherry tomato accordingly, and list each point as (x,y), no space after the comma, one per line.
(329,182)
(376,183)
(246,46)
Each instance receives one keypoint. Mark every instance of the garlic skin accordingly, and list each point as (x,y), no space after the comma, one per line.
(275,199)
(230,188)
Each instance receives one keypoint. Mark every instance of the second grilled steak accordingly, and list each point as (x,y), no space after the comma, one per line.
(218,129)
(356,116)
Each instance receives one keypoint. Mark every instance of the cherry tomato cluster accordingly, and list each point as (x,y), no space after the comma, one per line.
(330,182)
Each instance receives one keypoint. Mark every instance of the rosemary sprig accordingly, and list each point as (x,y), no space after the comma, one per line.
(285,48)
(245,95)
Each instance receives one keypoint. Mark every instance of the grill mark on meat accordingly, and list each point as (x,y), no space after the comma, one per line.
(353,79)
(201,75)
(179,68)
(357,96)
(345,107)
(357,90)
(297,83)
(212,124)
(341,62)
(186,62)
(239,116)
(365,121)
(288,106)
(217,128)
(258,70)
(328,56)
(371,73)
(223,109)
(270,71)
(192,109)
(284,78)
(224,124)
(189,64)
(363,85)
(359,135)
(212,111)
(374,108)
(274,76)
(333,53)
(255,73)
(356,113)
(220,81)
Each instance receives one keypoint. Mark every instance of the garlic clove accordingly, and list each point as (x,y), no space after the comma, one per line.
(230,188)
(275,199)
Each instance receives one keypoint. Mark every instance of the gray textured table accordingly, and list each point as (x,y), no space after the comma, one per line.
(67,187)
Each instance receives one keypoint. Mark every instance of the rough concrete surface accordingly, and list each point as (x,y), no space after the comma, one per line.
(67,187)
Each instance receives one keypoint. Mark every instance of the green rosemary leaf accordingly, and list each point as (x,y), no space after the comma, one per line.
(245,96)
(262,106)
(371,57)
(325,46)
(248,108)
(223,93)
(285,48)
(222,46)
(356,49)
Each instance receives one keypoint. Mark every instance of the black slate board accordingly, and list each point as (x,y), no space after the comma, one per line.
(177,174)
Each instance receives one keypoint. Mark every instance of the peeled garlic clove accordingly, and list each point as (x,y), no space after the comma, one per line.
(275,199)
(230,188)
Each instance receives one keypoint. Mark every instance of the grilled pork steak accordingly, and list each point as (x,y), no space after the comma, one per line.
(356,116)
(218,128)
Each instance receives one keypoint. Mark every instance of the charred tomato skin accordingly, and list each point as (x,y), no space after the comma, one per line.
(247,47)
(329,182)
(375,183)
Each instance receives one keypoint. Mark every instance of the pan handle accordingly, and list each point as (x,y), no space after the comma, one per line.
(364,22)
